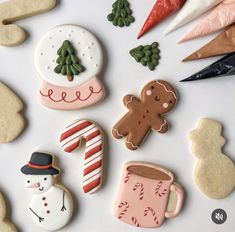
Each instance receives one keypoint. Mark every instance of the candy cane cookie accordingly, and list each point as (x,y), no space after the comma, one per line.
(71,139)
(157,99)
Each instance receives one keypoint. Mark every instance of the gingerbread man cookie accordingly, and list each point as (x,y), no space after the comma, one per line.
(157,98)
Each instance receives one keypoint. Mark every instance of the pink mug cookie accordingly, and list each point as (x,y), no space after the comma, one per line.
(143,196)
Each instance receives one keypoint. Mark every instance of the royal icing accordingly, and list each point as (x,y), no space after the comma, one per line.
(87,47)
(220,68)
(65,98)
(70,140)
(157,98)
(143,195)
(221,16)
(51,206)
(160,11)
(191,10)
(68,59)
(222,44)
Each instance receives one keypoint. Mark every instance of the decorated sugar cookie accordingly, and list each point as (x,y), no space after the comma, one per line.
(214,173)
(71,139)
(147,195)
(158,98)
(68,59)
(51,205)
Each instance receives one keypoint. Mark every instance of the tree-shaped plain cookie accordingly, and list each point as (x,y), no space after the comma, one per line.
(11,121)
(14,10)
(214,172)
(5,226)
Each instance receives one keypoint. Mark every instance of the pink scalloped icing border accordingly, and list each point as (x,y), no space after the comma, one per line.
(71,98)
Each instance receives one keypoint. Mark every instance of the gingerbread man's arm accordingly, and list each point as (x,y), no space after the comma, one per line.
(130,101)
(159,125)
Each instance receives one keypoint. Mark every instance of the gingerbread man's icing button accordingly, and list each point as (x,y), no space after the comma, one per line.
(165,105)
(157,99)
(69,66)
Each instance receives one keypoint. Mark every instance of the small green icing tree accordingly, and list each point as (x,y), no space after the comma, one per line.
(147,55)
(68,63)
(121,14)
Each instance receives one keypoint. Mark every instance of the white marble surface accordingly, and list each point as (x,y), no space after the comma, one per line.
(210,98)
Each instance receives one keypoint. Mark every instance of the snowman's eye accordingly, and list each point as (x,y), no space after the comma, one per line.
(45,178)
(28,181)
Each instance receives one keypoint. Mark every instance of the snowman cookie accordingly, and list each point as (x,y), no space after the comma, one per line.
(51,206)
(68,59)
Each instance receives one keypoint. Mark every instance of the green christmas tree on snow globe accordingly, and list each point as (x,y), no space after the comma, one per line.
(68,63)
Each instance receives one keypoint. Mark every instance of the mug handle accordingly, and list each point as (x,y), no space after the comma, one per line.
(180,198)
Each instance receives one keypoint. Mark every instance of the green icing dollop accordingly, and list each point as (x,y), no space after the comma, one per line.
(148,55)
(121,14)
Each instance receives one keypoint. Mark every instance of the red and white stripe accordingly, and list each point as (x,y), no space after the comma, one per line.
(149,209)
(134,220)
(127,177)
(71,139)
(141,187)
(159,185)
(124,203)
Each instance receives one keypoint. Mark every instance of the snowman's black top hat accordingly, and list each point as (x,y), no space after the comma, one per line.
(40,164)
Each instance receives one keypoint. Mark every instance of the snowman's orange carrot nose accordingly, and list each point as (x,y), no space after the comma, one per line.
(35,185)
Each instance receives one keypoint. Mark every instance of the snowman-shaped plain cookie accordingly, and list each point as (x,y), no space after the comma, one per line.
(68,59)
(51,205)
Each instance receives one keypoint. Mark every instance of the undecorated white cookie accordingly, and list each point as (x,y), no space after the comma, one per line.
(5,226)
(214,172)
(11,121)
(14,10)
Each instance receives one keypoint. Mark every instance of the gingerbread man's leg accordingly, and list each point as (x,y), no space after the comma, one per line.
(120,130)
(133,141)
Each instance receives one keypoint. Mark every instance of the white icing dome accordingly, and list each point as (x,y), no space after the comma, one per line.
(87,48)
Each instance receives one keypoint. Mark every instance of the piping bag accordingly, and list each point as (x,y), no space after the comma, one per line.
(221,16)
(223,44)
(220,68)
(190,11)
(161,10)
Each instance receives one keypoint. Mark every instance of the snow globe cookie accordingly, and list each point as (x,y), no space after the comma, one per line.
(68,59)
(51,205)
